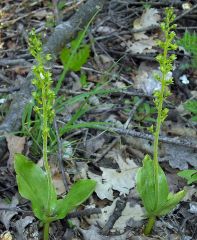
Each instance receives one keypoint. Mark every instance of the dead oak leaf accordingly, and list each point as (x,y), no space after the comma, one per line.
(6,216)
(149,18)
(15,145)
(6,236)
(121,180)
(141,46)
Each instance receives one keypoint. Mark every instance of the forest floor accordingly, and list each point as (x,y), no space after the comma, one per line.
(122,40)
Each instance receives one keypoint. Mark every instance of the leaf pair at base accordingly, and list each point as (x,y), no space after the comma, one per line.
(156,204)
(33,185)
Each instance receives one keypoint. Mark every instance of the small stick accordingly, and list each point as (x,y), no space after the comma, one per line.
(60,160)
(186,13)
(85,212)
(9,90)
(120,205)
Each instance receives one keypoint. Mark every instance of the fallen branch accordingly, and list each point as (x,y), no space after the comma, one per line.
(164,139)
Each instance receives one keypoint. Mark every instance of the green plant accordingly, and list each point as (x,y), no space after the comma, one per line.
(151,180)
(34,183)
(74,57)
(189,42)
(191,106)
(189,175)
(145,112)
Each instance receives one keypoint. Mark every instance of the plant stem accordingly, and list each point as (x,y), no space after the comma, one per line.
(149,226)
(158,127)
(45,140)
(46,231)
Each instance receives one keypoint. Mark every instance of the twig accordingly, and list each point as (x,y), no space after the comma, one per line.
(149,28)
(132,112)
(14,209)
(9,90)
(106,150)
(156,4)
(75,5)
(176,141)
(4,78)
(12,62)
(186,13)
(56,11)
(187,28)
(85,212)
(60,160)
(120,205)
(133,133)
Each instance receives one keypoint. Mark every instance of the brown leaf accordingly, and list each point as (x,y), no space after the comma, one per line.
(15,145)
(6,236)
(58,183)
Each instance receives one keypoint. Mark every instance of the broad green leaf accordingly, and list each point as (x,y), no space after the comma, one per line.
(191,106)
(33,185)
(149,119)
(194,119)
(147,108)
(146,186)
(190,175)
(76,56)
(172,201)
(79,192)
(80,58)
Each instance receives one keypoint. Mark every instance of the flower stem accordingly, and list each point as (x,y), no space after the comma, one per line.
(158,128)
(149,226)
(46,231)
(45,140)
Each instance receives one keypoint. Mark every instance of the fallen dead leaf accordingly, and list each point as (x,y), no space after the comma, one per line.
(6,236)
(21,224)
(15,145)
(58,183)
(111,179)
(144,80)
(136,213)
(179,157)
(191,192)
(105,29)
(141,46)
(149,18)
(178,129)
(103,190)
(93,233)
(6,216)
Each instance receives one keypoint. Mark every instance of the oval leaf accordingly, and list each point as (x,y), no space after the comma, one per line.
(146,186)
(33,185)
(79,192)
(173,200)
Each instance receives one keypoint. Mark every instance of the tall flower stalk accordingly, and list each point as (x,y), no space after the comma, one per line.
(151,181)
(44,97)
(34,183)
(166,64)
